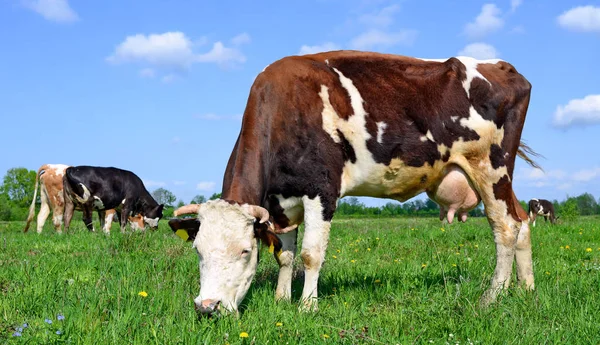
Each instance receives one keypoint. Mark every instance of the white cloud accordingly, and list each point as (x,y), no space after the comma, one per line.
(222,55)
(172,50)
(586,175)
(240,39)
(147,73)
(53,10)
(579,112)
(514,4)
(151,183)
(377,38)
(381,18)
(487,22)
(206,186)
(582,18)
(327,46)
(481,51)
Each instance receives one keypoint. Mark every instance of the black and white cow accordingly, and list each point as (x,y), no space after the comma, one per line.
(107,188)
(542,207)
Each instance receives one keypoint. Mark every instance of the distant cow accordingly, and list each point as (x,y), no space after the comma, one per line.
(320,127)
(542,207)
(50,178)
(106,188)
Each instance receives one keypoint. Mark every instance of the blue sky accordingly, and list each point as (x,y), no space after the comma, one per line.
(158,87)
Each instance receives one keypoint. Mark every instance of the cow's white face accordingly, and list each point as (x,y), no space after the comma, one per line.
(228,252)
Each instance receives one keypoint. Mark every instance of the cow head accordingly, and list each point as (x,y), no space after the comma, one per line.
(152,217)
(227,248)
(535,207)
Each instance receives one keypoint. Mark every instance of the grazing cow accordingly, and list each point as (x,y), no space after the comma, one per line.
(106,188)
(320,127)
(543,208)
(52,199)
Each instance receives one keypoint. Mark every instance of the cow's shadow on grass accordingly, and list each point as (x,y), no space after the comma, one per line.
(344,282)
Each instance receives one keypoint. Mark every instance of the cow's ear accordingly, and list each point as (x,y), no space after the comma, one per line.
(268,237)
(185,228)
(160,208)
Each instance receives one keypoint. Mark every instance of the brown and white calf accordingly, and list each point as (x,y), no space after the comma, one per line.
(543,208)
(50,179)
(320,127)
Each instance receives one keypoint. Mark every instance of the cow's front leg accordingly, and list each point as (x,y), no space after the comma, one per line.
(314,244)
(286,265)
(87,218)
(125,211)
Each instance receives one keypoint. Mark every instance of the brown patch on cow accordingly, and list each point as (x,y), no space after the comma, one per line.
(497,156)
(503,191)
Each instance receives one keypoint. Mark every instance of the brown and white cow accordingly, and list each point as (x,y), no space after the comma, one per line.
(320,127)
(541,207)
(52,199)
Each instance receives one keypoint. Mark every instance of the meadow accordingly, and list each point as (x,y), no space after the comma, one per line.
(385,281)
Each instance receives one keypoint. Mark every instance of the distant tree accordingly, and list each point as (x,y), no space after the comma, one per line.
(199,199)
(215,196)
(586,204)
(5,209)
(569,209)
(18,185)
(163,196)
(180,203)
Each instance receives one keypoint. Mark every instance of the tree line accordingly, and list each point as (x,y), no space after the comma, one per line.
(17,186)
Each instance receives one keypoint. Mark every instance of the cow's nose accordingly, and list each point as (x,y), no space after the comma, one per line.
(207,307)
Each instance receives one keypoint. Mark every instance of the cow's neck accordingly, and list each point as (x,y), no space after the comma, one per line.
(244,181)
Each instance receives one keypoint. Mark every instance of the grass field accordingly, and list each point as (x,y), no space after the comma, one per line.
(385,281)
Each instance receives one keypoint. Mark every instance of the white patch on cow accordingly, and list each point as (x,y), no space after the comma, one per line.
(227,251)
(427,136)
(108,219)
(535,199)
(98,203)
(329,115)
(327,62)
(381,126)
(454,118)
(293,210)
(152,222)
(123,202)
(59,169)
(137,226)
(86,194)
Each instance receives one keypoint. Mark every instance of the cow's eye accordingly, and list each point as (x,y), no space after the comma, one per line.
(246,252)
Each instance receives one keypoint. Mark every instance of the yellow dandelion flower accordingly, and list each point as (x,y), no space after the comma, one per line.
(339,251)
(548,273)
(423,265)
(453,265)
(581,233)
(143,294)
(279,324)
(377,281)
(588,249)
(369,249)
(377,238)
(335,257)
(476,246)
(567,247)
(412,229)
(325,336)
(243,335)
(442,229)
(353,261)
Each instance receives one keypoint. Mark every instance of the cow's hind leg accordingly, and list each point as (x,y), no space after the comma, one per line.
(507,218)
(87,217)
(316,236)
(286,265)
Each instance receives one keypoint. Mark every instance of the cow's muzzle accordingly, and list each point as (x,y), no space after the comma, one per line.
(207,307)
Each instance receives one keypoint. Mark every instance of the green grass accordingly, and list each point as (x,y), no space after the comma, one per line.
(390,281)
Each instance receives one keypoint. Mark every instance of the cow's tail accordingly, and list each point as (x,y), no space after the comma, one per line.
(526,152)
(35,189)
